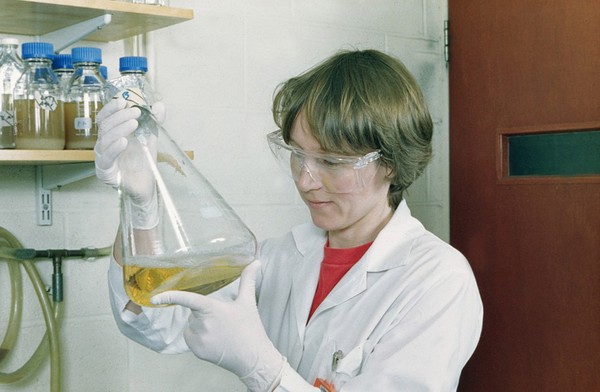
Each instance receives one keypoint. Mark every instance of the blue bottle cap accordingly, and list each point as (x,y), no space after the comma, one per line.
(43,50)
(133,63)
(62,61)
(86,54)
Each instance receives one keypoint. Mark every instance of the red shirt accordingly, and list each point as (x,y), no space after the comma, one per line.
(336,262)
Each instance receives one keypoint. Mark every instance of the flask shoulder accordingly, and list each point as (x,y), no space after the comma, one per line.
(128,81)
(136,81)
(42,80)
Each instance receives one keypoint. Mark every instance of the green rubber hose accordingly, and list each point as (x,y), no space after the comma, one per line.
(50,342)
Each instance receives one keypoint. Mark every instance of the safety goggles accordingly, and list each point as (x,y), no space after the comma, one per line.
(336,173)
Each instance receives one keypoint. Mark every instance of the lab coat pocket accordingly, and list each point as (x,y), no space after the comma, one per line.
(348,366)
(351,363)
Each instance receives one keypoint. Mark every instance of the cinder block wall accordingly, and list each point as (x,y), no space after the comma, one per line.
(217,74)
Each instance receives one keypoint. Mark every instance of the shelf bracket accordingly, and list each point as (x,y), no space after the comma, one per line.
(55,176)
(51,177)
(62,38)
(43,200)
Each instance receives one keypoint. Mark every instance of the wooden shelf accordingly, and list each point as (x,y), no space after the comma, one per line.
(52,157)
(44,157)
(39,17)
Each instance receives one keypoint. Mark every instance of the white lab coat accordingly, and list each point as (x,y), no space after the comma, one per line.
(406,317)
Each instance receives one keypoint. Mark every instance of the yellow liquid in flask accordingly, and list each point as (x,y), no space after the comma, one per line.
(142,283)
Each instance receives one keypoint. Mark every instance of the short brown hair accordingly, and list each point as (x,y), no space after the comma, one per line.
(361,101)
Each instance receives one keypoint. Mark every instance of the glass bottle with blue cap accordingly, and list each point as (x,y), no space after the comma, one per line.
(39,111)
(86,93)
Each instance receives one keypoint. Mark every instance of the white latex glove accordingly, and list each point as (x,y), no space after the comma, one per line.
(115,124)
(230,334)
(121,162)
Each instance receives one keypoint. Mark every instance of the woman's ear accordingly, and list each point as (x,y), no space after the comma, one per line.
(389,172)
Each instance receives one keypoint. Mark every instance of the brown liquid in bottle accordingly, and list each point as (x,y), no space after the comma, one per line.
(40,127)
(7,129)
(81,131)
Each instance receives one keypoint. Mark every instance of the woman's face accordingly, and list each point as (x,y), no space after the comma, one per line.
(351,219)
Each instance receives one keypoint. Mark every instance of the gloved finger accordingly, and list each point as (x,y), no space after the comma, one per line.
(107,136)
(105,157)
(247,290)
(195,302)
(111,108)
(160,112)
(112,123)
(108,148)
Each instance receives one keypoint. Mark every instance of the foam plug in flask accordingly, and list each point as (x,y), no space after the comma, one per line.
(177,232)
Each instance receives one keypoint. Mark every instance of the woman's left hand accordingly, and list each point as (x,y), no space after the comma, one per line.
(231,334)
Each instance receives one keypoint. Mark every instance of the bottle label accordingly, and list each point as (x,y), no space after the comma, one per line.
(82,123)
(46,102)
(133,96)
(7,118)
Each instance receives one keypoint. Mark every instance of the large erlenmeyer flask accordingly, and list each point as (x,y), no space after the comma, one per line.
(178,233)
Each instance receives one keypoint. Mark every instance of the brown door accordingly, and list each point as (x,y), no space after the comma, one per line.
(525,188)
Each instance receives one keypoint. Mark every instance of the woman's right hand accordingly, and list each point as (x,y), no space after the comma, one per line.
(127,161)
(115,122)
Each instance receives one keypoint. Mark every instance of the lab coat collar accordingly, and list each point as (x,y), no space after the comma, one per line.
(307,236)
(310,241)
(393,245)
(389,250)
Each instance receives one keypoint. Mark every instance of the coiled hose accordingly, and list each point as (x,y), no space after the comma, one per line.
(52,312)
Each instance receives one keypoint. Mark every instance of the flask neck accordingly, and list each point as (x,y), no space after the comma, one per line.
(87,65)
(14,56)
(89,71)
(39,62)
(37,72)
(8,48)
(133,73)
(135,80)
(63,71)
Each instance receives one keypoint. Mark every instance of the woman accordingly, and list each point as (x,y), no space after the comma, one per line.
(363,298)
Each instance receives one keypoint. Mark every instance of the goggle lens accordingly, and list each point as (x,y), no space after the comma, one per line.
(337,174)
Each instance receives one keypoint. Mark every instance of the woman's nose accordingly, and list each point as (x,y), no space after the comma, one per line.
(306,180)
